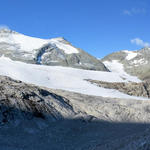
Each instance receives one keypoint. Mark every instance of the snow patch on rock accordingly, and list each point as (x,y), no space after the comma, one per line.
(68,49)
(139,62)
(131,54)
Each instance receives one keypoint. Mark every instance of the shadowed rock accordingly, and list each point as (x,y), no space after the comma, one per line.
(33,117)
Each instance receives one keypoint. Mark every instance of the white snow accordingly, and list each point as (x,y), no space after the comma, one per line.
(26,43)
(131,54)
(70,79)
(116,67)
(68,49)
(22,42)
(138,62)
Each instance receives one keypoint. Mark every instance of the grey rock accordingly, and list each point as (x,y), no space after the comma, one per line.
(141,89)
(65,120)
(20,101)
(51,55)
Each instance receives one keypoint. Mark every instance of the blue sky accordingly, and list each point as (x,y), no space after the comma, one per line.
(97,26)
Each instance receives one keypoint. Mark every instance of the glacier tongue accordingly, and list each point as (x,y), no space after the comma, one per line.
(70,79)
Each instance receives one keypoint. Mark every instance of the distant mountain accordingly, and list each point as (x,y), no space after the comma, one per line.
(136,63)
(53,52)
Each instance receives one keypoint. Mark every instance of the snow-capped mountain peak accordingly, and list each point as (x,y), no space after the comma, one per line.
(12,40)
(54,52)
(27,43)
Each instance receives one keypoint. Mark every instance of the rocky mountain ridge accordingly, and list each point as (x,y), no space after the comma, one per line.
(53,52)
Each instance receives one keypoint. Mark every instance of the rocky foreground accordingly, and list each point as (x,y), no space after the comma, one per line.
(34,117)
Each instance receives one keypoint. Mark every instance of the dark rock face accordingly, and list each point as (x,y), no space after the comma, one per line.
(21,101)
(53,56)
(136,142)
(59,119)
(131,88)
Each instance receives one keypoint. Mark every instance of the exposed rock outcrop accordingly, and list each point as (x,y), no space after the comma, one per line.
(53,56)
(59,104)
(22,101)
(131,88)
(66,120)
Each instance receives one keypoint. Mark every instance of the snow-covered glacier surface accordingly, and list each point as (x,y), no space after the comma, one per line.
(65,78)
(21,42)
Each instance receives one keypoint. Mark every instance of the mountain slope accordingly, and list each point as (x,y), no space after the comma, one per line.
(133,62)
(59,119)
(22,101)
(98,116)
(54,52)
(70,79)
